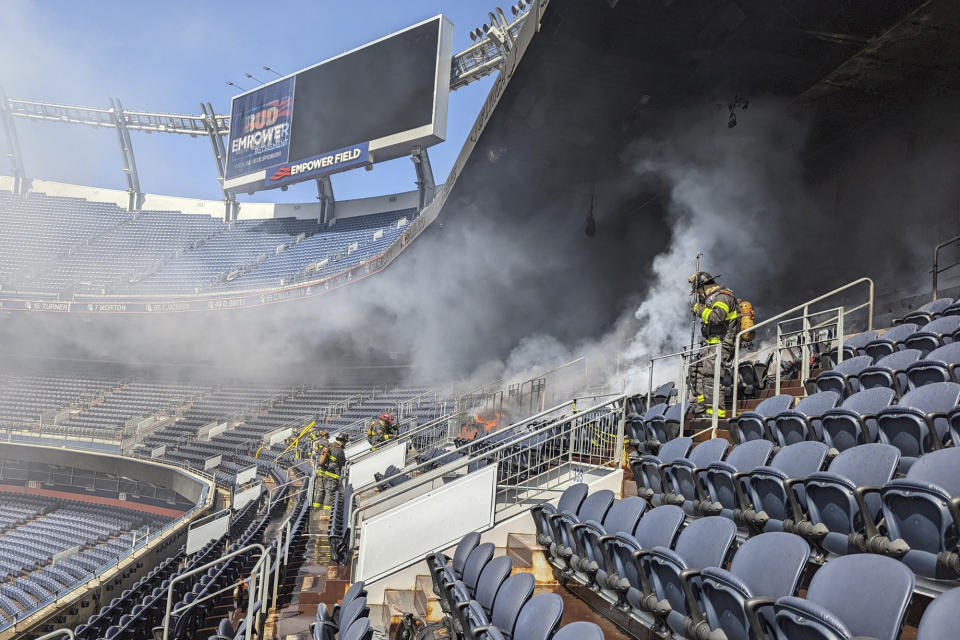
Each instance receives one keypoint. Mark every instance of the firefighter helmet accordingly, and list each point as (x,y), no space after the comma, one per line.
(342,438)
(386,416)
(701,279)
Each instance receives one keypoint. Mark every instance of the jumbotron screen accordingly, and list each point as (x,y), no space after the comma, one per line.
(368,105)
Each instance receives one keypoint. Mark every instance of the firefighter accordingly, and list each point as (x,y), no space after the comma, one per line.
(329,467)
(719,324)
(389,428)
(374,433)
(322,442)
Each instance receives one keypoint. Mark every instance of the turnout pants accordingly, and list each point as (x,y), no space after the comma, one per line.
(325,491)
(700,377)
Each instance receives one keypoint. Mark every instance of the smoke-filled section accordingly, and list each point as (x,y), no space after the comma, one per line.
(789,203)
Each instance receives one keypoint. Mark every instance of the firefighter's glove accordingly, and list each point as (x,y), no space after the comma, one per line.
(698,308)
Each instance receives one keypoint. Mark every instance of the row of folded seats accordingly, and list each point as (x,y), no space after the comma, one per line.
(481,600)
(135,613)
(338,532)
(855,501)
(922,420)
(348,620)
(691,580)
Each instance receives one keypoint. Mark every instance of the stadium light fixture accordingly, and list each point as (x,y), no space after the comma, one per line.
(252,77)
(235,85)
(266,68)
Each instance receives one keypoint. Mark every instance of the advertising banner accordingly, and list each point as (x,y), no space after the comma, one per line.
(260,128)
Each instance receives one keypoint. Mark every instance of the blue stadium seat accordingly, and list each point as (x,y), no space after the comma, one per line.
(622,517)
(890,371)
(928,312)
(843,377)
(768,503)
(854,346)
(940,365)
(859,595)
(854,422)
(680,475)
(917,511)
(511,598)
(803,422)
(705,542)
(594,507)
(579,631)
(721,480)
(832,509)
(657,528)
(570,500)
(942,617)
(934,335)
(890,341)
(767,566)
(646,470)
(755,425)
(918,423)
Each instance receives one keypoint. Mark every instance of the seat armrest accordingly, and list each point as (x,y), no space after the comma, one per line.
(645,585)
(789,484)
(752,607)
(860,495)
(693,609)
(931,419)
(741,496)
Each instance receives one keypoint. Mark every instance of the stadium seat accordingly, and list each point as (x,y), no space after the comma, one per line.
(940,365)
(890,341)
(919,516)
(539,617)
(928,312)
(718,482)
(680,475)
(492,577)
(437,561)
(622,517)
(854,422)
(754,425)
(934,335)
(853,346)
(942,617)
(767,566)
(768,504)
(472,569)
(860,595)
(666,426)
(663,393)
(843,377)
(803,422)
(832,510)
(360,629)
(594,507)
(918,423)
(657,528)
(511,598)
(570,500)
(890,371)
(646,470)
(705,542)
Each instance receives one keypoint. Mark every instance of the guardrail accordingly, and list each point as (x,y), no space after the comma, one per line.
(508,477)
(937,270)
(802,313)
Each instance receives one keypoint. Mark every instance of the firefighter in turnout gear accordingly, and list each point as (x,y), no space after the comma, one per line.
(717,309)
(329,467)
(381,430)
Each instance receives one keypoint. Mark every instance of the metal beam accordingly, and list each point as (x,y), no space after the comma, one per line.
(129,162)
(328,203)
(220,157)
(425,182)
(13,145)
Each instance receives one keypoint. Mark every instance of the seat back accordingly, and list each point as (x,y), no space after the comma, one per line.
(749,455)
(513,594)
(572,497)
(935,334)
(801,459)
(539,617)
(890,341)
(868,594)
(936,366)
(708,451)
(841,427)
(466,545)
(767,492)
(596,505)
(840,377)
(942,617)
(475,563)
(705,542)
(359,630)
(790,427)
(491,579)
(904,425)
(769,566)
(889,371)
(853,345)
(624,515)
(659,527)
(675,449)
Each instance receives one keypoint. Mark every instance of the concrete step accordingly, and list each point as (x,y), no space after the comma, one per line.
(431,602)
(521,547)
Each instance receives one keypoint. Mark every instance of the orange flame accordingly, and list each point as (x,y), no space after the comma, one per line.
(480,424)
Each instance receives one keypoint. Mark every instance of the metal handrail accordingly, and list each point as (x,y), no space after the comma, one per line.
(936,262)
(805,317)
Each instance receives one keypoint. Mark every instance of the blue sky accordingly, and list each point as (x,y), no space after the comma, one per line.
(171,56)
